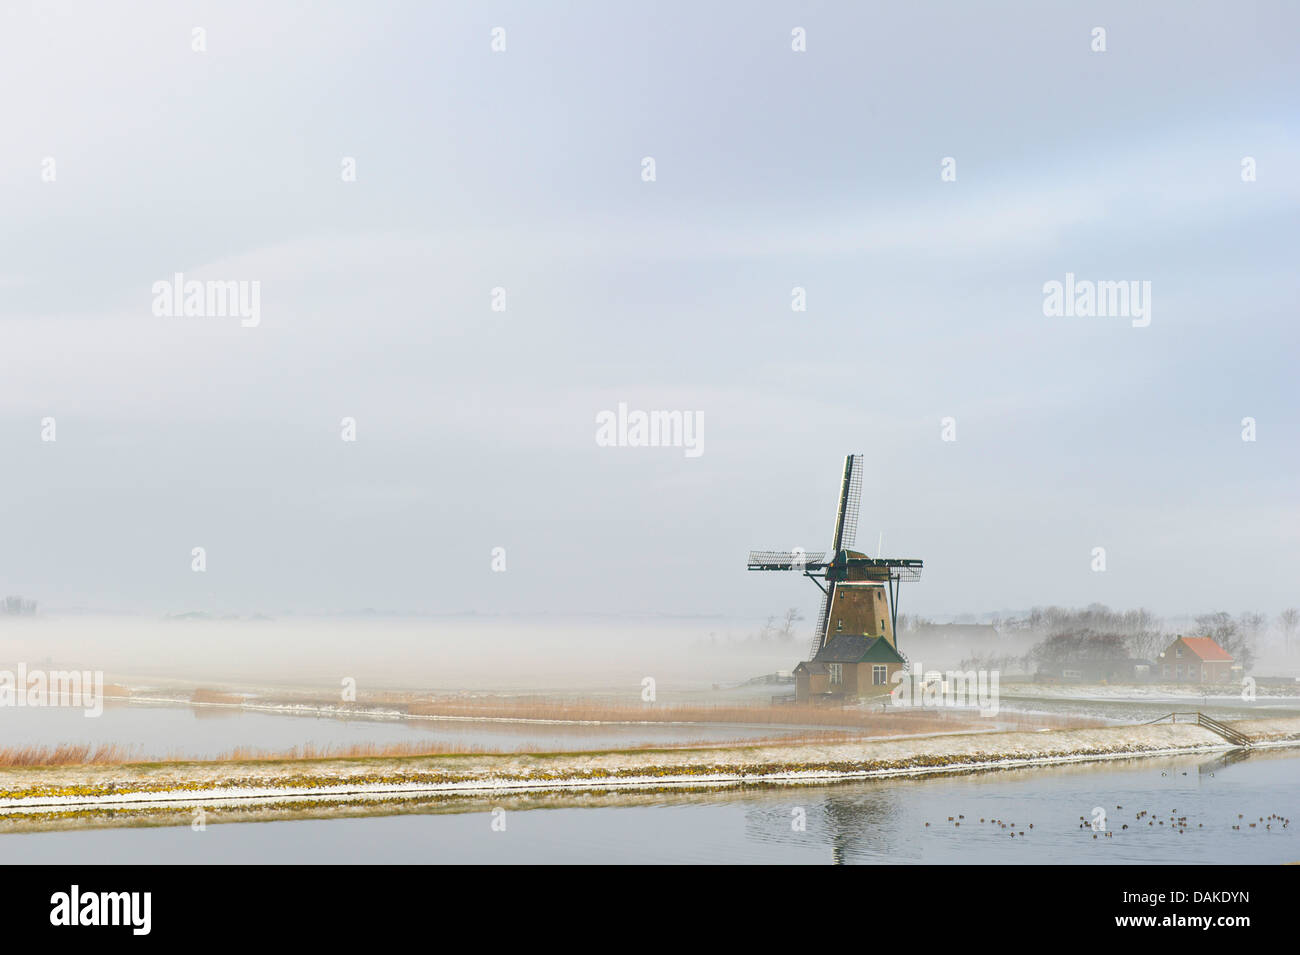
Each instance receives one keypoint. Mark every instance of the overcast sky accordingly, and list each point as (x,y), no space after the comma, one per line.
(522,169)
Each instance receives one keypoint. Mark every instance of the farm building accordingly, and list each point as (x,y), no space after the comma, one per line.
(1098,670)
(1197,660)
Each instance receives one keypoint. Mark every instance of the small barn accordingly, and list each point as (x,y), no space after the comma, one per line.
(1098,670)
(849,665)
(1197,660)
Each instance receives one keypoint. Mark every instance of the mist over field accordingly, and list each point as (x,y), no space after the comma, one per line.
(548,654)
(526,655)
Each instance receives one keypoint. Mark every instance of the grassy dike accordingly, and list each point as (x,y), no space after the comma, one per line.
(170,793)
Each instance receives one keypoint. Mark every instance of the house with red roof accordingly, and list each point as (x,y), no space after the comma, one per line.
(1197,660)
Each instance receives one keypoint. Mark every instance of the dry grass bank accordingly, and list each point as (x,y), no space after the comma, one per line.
(440,748)
(26,790)
(65,754)
(70,754)
(204,695)
(868,719)
(152,794)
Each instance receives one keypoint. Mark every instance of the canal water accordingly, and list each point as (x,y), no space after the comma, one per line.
(1177,810)
(200,732)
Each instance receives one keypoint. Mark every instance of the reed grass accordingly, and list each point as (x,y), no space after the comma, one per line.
(79,754)
(215,696)
(65,754)
(867,718)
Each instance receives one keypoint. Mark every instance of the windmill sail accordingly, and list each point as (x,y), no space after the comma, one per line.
(819,634)
(786,560)
(846,517)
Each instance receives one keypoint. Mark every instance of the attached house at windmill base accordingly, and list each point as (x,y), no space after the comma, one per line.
(851,664)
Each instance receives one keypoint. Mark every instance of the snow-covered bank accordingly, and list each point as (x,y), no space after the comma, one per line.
(159,793)
(1149,692)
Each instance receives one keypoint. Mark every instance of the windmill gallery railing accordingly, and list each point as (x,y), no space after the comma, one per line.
(1233,736)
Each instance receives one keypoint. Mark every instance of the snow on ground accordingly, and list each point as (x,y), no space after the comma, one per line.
(95,790)
(1147,692)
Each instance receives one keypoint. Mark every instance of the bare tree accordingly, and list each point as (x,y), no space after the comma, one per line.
(1253,626)
(1148,644)
(1078,646)
(1228,634)
(792,616)
(1290,621)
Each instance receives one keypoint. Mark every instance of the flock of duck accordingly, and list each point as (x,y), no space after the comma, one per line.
(1176,823)
(956,821)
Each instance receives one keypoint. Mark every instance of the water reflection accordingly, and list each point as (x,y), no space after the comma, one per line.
(847,822)
(1218,763)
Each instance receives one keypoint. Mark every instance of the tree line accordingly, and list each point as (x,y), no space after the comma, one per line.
(1096,633)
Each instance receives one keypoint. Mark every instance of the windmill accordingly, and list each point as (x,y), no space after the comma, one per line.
(854,595)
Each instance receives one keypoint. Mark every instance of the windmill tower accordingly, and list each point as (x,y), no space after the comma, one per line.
(859,593)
